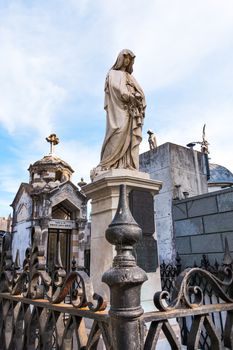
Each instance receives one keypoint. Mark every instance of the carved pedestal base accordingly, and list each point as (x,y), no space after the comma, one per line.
(104,193)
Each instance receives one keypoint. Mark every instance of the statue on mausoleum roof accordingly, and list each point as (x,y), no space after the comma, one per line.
(152,139)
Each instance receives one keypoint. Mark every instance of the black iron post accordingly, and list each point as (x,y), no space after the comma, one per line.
(125,279)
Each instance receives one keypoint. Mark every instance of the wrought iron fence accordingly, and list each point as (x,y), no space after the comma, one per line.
(39,310)
(187,301)
(43,311)
(170,272)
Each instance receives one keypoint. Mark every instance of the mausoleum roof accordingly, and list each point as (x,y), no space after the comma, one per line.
(220,175)
(51,160)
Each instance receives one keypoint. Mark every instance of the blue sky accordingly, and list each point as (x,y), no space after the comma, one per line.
(53,63)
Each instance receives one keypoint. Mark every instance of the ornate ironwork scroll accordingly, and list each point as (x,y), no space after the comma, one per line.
(39,310)
(187,295)
(187,302)
(34,282)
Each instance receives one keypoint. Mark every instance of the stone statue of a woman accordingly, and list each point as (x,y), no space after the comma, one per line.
(125,106)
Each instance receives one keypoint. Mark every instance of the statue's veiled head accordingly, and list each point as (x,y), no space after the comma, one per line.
(121,58)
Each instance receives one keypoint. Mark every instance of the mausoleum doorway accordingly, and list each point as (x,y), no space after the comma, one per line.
(60,230)
(56,236)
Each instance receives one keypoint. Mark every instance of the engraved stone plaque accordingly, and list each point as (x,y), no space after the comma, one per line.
(146,254)
(142,207)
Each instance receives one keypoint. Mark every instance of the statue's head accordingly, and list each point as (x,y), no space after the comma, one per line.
(125,59)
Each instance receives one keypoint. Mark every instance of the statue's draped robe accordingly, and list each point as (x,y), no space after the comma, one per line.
(124,122)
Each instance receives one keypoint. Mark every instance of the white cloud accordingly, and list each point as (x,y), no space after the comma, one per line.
(81,157)
(8,179)
(52,57)
(170,38)
(187,127)
(46,57)
(28,97)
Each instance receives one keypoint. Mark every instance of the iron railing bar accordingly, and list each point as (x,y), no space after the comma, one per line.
(180,313)
(61,307)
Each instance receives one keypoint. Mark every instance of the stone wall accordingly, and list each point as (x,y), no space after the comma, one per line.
(201,224)
(21,239)
(5,223)
(181,171)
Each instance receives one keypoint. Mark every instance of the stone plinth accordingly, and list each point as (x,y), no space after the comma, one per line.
(104,193)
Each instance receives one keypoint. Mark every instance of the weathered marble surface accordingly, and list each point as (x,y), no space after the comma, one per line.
(125,106)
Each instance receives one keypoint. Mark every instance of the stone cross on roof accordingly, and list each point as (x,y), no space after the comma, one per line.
(53,140)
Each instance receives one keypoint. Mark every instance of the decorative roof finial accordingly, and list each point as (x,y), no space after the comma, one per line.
(53,140)
(204,143)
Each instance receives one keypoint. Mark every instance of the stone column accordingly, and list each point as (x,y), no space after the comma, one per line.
(104,193)
(81,240)
(75,245)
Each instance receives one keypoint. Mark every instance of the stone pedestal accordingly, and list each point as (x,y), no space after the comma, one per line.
(104,193)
